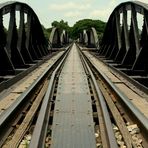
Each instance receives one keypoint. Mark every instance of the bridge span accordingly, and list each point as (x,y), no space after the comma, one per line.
(86,93)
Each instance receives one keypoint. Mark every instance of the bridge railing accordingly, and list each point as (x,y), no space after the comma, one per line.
(89,38)
(23,45)
(58,37)
(127,45)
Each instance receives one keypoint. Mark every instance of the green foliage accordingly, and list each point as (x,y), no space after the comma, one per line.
(87,24)
(62,25)
(77,28)
(46,32)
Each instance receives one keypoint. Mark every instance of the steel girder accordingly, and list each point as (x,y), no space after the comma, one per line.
(22,46)
(89,38)
(124,45)
(64,38)
(58,37)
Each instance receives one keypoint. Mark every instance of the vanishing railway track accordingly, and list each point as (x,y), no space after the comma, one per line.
(123,112)
(71,100)
(18,118)
(113,121)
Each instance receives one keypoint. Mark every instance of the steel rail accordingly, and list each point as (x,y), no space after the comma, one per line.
(6,116)
(131,80)
(9,82)
(141,118)
(40,130)
(109,129)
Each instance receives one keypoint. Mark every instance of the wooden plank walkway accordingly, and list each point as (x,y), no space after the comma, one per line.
(138,98)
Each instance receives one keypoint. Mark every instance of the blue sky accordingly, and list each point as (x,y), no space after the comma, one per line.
(72,11)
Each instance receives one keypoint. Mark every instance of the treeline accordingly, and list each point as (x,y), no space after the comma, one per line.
(77,27)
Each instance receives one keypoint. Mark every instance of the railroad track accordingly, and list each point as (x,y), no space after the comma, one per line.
(123,112)
(9,80)
(34,119)
(19,117)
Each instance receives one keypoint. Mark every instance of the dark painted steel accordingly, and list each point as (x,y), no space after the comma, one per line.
(126,46)
(40,131)
(109,129)
(58,38)
(7,115)
(73,124)
(142,120)
(89,38)
(7,82)
(136,83)
(23,46)
(92,38)
(55,37)
(64,38)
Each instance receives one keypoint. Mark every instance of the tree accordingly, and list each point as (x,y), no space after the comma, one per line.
(77,27)
(46,32)
(62,25)
(87,24)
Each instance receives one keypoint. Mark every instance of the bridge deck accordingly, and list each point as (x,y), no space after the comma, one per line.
(73,125)
(136,96)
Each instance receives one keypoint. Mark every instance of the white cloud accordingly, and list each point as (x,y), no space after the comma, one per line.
(72,14)
(69,6)
(144,1)
(104,12)
(100,14)
(113,2)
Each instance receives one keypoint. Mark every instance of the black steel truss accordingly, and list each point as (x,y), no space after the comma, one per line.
(22,46)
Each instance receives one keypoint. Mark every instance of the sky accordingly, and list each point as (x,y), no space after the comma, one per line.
(72,11)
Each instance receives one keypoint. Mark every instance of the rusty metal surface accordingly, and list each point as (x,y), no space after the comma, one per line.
(134,94)
(73,121)
(7,117)
(6,100)
(110,137)
(134,109)
(40,130)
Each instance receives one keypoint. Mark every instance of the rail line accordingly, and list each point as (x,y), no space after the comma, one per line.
(73,104)
(86,94)
(108,137)
(40,131)
(23,107)
(121,108)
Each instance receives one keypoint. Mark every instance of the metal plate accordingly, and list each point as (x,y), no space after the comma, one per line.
(73,125)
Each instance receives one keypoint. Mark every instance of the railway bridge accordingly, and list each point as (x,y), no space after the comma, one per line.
(86,93)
